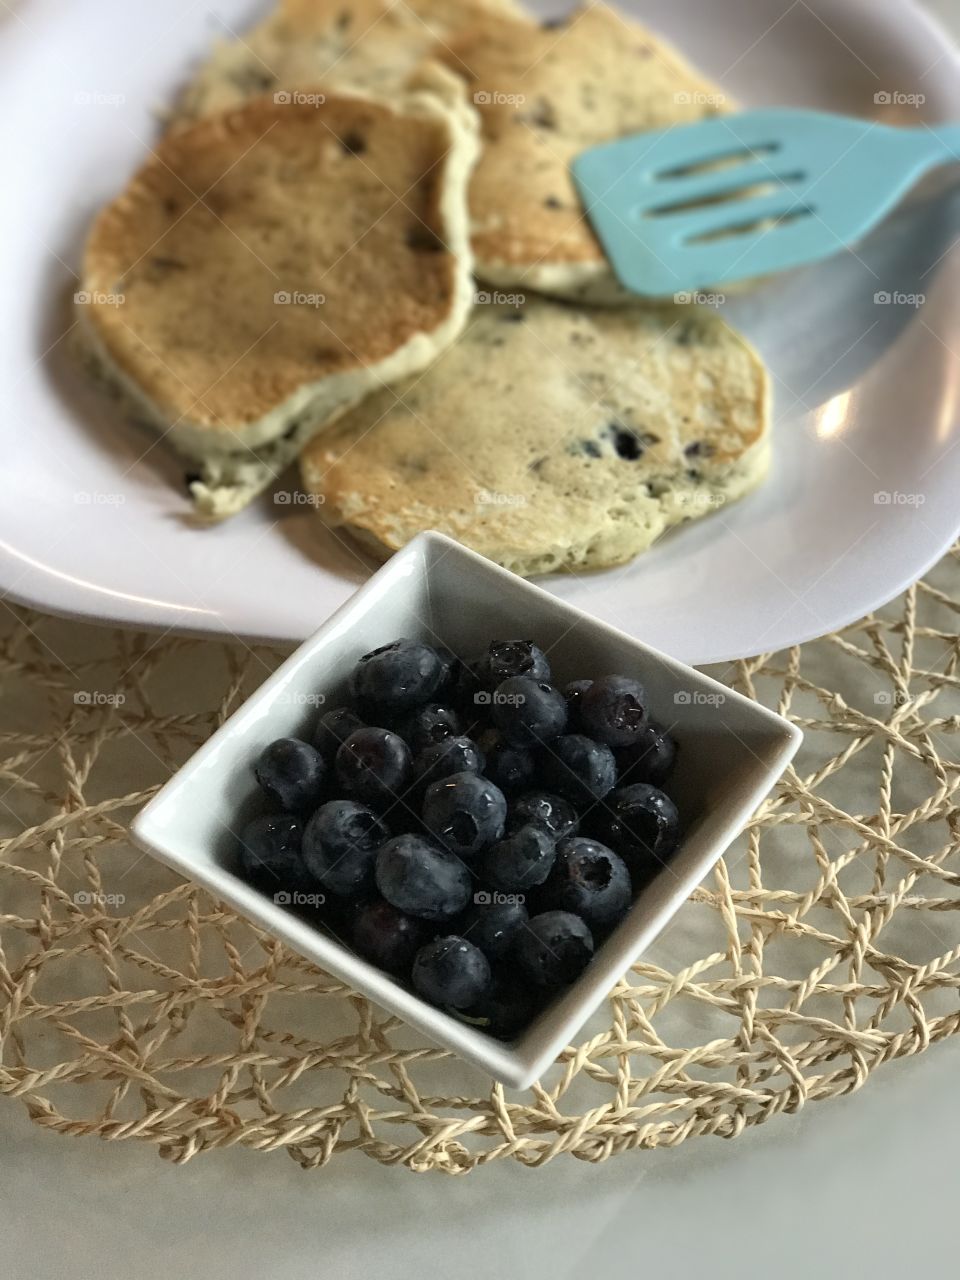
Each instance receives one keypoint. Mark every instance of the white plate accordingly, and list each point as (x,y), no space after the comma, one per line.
(92,513)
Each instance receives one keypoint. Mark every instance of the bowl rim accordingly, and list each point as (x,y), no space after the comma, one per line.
(520,1062)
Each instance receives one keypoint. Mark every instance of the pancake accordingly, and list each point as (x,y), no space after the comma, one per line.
(551,437)
(545,93)
(277,263)
(370,46)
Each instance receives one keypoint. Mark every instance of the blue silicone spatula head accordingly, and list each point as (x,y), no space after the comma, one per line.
(745,195)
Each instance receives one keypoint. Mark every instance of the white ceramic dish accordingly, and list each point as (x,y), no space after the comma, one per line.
(732,751)
(92,509)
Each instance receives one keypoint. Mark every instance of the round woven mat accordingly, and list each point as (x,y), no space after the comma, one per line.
(134,1006)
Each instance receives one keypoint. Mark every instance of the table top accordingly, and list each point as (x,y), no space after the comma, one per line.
(872,1172)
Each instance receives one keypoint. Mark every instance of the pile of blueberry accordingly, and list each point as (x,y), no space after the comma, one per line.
(472,829)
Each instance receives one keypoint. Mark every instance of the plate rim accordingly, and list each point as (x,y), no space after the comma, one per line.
(43,589)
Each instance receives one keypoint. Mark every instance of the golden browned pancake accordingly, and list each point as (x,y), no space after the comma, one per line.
(276,264)
(544,94)
(366,45)
(553,437)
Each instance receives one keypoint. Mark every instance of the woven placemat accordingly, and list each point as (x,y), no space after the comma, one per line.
(134,1006)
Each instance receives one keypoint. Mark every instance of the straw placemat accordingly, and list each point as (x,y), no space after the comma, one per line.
(136,1007)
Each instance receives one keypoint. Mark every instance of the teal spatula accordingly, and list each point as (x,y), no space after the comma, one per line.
(746,195)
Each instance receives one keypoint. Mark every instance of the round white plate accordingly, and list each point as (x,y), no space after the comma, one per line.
(863,496)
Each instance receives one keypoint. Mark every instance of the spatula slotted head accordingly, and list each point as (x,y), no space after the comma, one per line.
(742,195)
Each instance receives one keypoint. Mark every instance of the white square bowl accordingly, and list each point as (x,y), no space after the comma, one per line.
(731,753)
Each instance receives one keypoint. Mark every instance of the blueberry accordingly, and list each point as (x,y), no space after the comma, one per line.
(491,923)
(506,658)
(451,971)
(453,755)
(422,880)
(650,759)
(505,1009)
(397,677)
(511,768)
(465,812)
(527,711)
(579,768)
(591,881)
(388,938)
(270,851)
(375,766)
(340,846)
(554,814)
(520,861)
(429,725)
(291,773)
(333,728)
(614,710)
(573,692)
(553,949)
(643,825)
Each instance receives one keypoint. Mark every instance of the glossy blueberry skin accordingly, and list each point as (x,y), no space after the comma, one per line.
(512,768)
(528,712)
(643,826)
(374,766)
(397,677)
(451,971)
(333,728)
(520,861)
(614,710)
(388,938)
(650,759)
(554,949)
(492,925)
(429,725)
(270,851)
(340,846)
(291,774)
(422,880)
(466,813)
(554,814)
(580,769)
(591,881)
(506,658)
(507,1007)
(452,755)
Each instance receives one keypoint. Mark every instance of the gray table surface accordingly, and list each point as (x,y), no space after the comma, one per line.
(861,1186)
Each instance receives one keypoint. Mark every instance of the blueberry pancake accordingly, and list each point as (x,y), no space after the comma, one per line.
(553,437)
(544,93)
(368,45)
(276,263)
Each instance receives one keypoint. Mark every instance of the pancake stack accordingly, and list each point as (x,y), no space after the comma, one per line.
(298,257)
